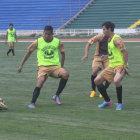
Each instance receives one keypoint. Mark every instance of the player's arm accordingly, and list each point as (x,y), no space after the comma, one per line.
(16,36)
(6,36)
(90,42)
(62,51)
(119,43)
(31,48)
(86,51)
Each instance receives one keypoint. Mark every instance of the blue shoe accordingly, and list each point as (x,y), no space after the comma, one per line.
(32,105)
(57,99)
(119,106)
(105,104)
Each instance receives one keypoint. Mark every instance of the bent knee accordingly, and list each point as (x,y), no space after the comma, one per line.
(95,70)
(64,75)
(97,81)
(42,79)
(117,82)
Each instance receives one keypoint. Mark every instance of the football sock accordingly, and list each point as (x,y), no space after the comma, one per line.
(102,90)
(13,52)
(35,94)
(8,51)
(107,84)
(119,94)
(92,82)
(61,86)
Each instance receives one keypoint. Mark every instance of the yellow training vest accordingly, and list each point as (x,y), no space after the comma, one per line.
(47,52)
(114,54)
(11,35)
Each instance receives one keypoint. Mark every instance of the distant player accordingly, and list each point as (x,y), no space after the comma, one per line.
(48,48)
(118,58)
(100,59)
(11,37)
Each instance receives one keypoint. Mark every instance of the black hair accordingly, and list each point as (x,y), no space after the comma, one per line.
(48,28)
(11,24)
(108,25)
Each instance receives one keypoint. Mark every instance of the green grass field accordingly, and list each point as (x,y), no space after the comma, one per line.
(79,117)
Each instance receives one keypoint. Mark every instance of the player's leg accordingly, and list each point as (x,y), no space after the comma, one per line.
(36,91)
(96,67)
(12,48)
(9,49)
(117,81)
(95,70)
(42,76)
(64,75)
(99,82)
(105,65)
(105,75)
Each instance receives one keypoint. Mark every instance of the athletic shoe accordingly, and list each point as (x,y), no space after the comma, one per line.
(3,106)
(57,99)
(32,105)
(92,94)
(100,96)
(54,97)
(105,104)
(119,106)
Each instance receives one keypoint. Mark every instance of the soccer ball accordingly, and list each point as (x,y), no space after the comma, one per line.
(3,106)
(1,100)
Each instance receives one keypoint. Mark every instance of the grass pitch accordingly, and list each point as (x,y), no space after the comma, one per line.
(79,117)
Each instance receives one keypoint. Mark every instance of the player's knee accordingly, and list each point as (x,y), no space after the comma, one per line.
(40,83)
(65,75)
(41,80)
(117,82)
(94,73)
(97,81)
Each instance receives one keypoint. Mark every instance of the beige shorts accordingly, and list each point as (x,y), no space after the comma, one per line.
(52,71)
(109,73)
(100,61)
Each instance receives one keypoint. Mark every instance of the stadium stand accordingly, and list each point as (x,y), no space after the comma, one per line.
(122,12)
(34,14)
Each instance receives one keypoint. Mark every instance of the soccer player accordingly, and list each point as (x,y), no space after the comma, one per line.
(118,57)
(48,48)
(100,59)
(11,37)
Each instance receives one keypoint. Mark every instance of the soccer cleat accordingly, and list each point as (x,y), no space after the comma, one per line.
(32,105)
(57,99)
(100,96)
(104,104)
(119,106)
(92,94)
(3,106)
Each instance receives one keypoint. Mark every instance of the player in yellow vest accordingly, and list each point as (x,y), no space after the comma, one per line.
(11,37)
(118,57)
(48,48)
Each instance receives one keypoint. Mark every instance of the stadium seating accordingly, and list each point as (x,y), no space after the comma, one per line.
(35,14)
(122,12)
